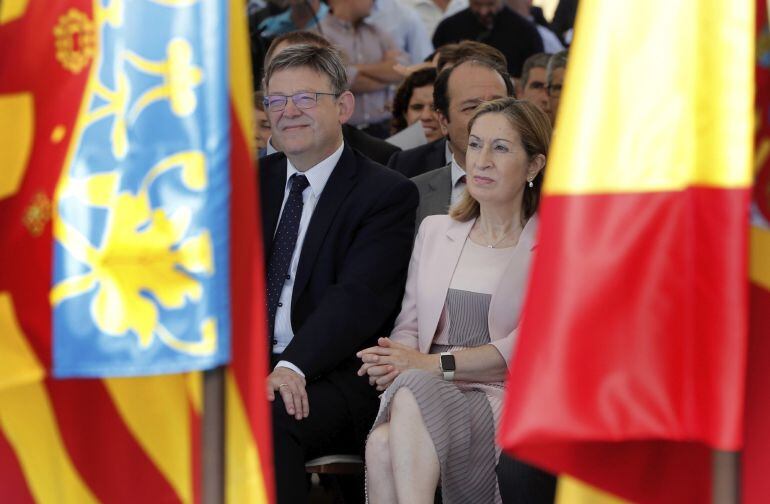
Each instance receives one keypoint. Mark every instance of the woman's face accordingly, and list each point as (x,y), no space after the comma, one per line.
(496,163)
(420,108)
(262,129)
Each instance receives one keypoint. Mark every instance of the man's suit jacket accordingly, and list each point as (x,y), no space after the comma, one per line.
(413,162)
(435,189)
(372,147)
(436,253)
(353,262)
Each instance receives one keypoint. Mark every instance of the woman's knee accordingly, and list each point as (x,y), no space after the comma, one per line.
(404,404)
(378,447)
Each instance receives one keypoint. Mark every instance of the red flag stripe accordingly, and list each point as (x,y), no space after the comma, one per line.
(249,343)
(755,484)
(13,486)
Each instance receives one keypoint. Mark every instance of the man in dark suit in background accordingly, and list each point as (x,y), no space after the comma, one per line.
(436,154)
(493,23)
(338,231)
(418,160)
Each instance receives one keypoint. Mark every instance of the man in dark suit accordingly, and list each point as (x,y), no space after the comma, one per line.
(338,231)
(493,23)
(456,94)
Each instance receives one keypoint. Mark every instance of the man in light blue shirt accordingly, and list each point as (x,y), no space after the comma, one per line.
(301,15)
(404,26)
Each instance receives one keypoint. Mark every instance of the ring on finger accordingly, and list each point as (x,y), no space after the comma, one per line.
(283,385)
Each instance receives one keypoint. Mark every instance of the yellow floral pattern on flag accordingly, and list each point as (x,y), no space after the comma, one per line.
(144,250)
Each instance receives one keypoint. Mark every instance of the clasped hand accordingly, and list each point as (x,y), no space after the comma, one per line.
(384,362)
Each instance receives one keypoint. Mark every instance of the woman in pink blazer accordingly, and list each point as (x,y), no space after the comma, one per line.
(444,364)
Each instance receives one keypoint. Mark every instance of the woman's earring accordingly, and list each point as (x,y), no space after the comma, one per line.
(531,184)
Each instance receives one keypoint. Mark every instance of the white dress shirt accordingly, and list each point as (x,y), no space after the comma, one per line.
(403,24)
(457,186)
(431,14)
(317,176)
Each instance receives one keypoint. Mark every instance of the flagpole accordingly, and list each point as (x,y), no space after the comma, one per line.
(725,483)
(213,437)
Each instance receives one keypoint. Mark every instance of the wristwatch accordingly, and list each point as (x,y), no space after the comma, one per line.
(447,365)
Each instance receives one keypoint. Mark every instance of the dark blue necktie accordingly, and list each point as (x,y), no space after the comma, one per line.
(283,246)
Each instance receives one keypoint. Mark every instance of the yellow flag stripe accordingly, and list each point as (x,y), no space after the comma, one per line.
(28,422)
(244,479)
(572,491)
(240,73)
(664,104)
(759,263)
(11,10)
(157,412)
(17,127)
(18,362)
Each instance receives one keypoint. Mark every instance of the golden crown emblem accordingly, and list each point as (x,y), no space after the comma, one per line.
(75,40)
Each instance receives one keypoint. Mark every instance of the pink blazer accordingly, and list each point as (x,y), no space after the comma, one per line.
(436,254)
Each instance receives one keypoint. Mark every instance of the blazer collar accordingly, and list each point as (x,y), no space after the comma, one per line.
(459,231)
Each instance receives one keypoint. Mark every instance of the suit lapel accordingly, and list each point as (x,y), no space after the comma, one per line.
(337,188)
(439,193)
(272,191)
(512,286)
(442,269)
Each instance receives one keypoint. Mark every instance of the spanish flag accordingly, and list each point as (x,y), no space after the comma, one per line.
(631,360)
(130,253)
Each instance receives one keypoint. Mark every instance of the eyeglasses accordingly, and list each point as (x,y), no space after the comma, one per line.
(304,100)
(554,90)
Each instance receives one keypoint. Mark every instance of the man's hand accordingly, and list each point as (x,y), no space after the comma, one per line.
(291,386)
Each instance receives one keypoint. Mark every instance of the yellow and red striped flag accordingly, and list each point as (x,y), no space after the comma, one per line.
(630,365)
(130,246)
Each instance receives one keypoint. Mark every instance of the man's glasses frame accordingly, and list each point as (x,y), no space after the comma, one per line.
(303,100)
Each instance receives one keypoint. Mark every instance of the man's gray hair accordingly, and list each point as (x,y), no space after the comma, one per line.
(324,60)
(558,60)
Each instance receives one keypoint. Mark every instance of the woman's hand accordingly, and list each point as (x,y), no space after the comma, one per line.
(383,363)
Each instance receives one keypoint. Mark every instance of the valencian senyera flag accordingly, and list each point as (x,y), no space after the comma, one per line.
(630,366)
(755,485)
(130,255)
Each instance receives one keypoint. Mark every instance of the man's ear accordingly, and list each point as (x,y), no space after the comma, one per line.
(443,122)
(346,103)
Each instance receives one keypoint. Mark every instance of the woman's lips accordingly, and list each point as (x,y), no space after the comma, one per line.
(482,180)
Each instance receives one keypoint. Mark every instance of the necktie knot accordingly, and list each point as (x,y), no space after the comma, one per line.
(298,184)
(461,180)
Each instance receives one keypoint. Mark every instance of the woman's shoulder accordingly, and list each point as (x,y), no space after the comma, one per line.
(435,224)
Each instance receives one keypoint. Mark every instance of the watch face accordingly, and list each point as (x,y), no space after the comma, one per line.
(447,362)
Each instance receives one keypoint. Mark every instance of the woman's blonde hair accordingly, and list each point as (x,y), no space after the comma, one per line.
(534,130)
